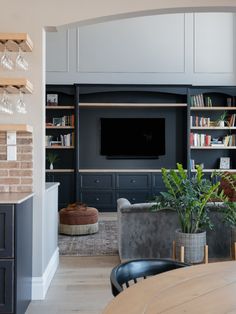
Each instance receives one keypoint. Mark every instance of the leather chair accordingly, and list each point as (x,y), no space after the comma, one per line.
(125,272)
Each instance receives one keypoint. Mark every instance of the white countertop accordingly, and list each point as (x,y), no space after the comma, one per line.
(51,185)
(14,198)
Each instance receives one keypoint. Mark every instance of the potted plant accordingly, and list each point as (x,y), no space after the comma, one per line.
(188,195)
(52,158)
(228,197)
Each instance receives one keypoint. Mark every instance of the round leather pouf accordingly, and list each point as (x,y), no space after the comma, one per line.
(78,220)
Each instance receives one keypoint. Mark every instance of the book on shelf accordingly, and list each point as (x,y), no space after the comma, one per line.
(196,121)
(192,164)
(197,100)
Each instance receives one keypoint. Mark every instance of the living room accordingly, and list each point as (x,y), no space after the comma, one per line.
(208,64)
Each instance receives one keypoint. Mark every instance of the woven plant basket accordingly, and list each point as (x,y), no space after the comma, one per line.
(193,246)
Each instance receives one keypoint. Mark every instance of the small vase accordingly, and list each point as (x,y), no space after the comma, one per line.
(51,166)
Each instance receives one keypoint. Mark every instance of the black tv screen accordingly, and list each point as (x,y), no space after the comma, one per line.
(132,137)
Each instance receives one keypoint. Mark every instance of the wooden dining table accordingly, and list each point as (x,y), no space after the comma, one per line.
(206,289)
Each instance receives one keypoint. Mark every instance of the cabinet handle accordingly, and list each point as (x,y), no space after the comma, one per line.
(132,181)
(97,199)
(96,181)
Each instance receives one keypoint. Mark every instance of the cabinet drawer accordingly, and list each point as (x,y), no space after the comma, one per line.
(6,286)
(96,181)
(6,231)
(157,181)
(97,198)
(134,196)
(140,181)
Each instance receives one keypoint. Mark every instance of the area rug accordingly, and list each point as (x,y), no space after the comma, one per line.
(104,242)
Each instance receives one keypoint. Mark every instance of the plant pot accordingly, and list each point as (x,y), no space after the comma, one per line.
(221,124)
(51,166)
(193,246)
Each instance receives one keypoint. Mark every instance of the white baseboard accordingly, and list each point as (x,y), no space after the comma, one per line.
(40,285)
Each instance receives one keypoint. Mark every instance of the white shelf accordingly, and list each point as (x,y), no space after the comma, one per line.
(59,170)
(217,170)
(212,108)
(213,147)
(131,105)
(59,107)
(60,147)
(60,127)
(212,128)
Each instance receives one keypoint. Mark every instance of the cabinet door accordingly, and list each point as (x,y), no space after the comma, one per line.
(6,286)
(6,231)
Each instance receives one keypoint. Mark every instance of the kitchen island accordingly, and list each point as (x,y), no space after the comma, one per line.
(15,252)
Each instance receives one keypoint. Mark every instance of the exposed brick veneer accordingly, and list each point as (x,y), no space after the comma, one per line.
(17,176)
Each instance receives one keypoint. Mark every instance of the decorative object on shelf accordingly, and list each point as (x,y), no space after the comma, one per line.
(188,196)
(222,120)
(52,99)
(52,158)
(224,162)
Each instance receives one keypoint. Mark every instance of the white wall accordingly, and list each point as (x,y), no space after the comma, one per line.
(162,49)
(25,16)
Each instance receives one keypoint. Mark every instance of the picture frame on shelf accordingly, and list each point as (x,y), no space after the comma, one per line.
(52,99)
(57,121)
(225,163)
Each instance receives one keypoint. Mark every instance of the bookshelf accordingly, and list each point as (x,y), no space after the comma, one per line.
(60,139)
(212,127)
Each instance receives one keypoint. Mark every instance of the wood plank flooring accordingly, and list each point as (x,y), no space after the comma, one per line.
(81,285)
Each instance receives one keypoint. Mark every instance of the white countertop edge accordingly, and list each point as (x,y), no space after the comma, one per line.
(51,185)
(14,198)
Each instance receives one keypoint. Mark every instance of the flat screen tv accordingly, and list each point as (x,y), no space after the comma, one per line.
(132,137)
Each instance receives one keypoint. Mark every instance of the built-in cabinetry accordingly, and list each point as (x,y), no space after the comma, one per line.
(61,135)
(98,181)
(15,252)
(212,127)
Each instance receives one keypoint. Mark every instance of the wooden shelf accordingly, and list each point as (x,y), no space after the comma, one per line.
(121,170)
(13,41)
(60,127)
(59,170)
(16,127)
(59,107)
(130,105)
(213,147)
(60,147)
(15,85)
(212,128)
(212,108)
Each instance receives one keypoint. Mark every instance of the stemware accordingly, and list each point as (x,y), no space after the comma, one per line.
(5,104)
(6,62)
(21,62)
(20,105)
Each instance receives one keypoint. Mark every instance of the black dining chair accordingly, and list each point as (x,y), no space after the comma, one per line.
(128,272)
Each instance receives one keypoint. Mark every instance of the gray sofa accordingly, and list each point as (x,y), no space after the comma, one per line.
(146,234)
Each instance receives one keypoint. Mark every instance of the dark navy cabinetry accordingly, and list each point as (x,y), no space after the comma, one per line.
(15,256)
(102,190)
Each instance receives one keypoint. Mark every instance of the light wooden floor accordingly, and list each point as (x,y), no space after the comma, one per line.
(81,285)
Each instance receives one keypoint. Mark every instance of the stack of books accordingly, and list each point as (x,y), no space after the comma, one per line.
(199,121)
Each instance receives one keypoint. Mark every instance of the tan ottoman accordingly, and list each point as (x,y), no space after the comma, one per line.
(78,219)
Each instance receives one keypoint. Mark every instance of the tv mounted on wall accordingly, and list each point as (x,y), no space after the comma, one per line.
(132,137)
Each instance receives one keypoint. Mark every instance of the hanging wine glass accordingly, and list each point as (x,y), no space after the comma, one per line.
(21,63)
(20,105)
(5,104)
(6,62)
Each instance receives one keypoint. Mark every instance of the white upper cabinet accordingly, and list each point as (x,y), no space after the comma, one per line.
(163,49)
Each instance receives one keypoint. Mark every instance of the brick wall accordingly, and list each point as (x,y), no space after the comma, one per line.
(17,176)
